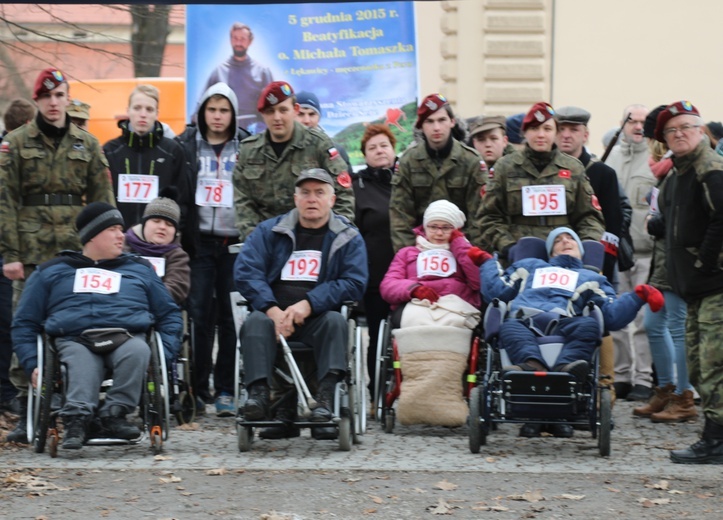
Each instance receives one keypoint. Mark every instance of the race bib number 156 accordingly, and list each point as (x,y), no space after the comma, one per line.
(93,280)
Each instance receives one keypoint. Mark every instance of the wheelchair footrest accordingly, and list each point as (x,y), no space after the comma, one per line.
(541,394)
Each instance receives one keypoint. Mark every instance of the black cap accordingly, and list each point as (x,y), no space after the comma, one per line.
(573,115)
(651,121)
(316,174)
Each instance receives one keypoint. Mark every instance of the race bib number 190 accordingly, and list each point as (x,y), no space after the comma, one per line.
(544,200)
(302,266)
(137,188)
(93,280)
(555,278)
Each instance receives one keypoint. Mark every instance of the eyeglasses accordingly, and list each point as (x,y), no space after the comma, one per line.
(443,229)
(682,129)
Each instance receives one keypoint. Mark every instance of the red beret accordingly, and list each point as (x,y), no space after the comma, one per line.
(273,94)
(429,106)
(538,114)
(46,81)
(679,108)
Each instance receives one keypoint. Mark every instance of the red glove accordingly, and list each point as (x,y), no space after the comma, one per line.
(455,235)
(651,296)
(478,256)
(425,293)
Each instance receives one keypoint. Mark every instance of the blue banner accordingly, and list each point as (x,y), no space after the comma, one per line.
(358,58)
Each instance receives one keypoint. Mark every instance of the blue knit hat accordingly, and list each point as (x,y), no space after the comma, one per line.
(557,232)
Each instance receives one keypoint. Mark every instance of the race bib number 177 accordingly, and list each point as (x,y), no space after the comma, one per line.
(93,280)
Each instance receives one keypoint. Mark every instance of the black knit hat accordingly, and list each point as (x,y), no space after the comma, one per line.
(165,208)
(96,217)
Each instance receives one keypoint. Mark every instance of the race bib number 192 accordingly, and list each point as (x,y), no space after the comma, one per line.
(93,280)
(302,266)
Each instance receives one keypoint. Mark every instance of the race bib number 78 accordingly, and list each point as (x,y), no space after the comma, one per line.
(93,280)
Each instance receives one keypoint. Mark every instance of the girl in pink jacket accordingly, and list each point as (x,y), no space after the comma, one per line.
(437,265)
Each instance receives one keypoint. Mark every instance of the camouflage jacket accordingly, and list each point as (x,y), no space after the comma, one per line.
(502,220)
(264,183)
(419,181)
(31,165)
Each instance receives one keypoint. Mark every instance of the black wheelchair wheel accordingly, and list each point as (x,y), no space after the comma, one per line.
(477,430)
(187,412)
(153,400)
(389,420)
(603,440)
(245,436)
(46,388)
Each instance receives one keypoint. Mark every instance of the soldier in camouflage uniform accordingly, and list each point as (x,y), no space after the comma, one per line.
(49,169)
(537,189)
(438,168)
(692,209)
(269,163)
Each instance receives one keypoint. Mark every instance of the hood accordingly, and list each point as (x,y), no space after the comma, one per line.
(223,90)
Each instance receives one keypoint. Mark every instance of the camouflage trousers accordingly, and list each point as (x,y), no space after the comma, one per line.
(703,333)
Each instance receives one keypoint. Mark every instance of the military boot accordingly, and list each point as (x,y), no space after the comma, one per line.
(76,431)
(680,408)
(657,403)
(325,398)
(708,450)
(116,425)
(20,433)
(256,407)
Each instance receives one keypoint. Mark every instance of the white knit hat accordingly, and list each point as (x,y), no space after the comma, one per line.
(446,211)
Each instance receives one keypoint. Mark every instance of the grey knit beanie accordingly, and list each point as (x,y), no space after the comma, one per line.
(164,208)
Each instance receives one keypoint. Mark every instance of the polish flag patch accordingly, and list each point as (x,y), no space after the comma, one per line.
(482,166)
(564,174)
(5,147)
(482,192)
(333,153)
(595,203)
(344,179)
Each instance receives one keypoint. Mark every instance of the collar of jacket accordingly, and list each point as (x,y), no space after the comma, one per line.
(633,148)
(566,261)
(684,162)
(149,140)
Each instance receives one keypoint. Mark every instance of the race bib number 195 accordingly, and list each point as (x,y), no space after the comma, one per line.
(302,266)
(93,280)
(544,200)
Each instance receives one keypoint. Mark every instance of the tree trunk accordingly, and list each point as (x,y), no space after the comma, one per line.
(148,38)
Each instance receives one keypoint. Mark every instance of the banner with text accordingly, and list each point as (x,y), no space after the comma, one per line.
(359,59)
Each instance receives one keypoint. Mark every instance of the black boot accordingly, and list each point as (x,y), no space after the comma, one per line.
(256,407)
(286,430)
(325,398)
(20,433)
(115,423)
(708,450)
(76,431)
(580,369)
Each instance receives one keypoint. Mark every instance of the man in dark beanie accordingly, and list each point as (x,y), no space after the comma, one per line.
(49,168)
(97,288)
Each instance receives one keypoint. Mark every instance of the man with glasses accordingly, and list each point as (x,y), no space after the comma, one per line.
(691,204)
(629,159)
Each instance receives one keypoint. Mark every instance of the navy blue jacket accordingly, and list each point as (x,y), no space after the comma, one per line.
(344,272)
(49,304)
(515,285)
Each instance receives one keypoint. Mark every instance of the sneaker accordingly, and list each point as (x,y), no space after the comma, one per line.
(224,405)
(76,431)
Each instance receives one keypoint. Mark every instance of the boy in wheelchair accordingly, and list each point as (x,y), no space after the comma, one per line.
(97,305)
(296,271)
(549,296)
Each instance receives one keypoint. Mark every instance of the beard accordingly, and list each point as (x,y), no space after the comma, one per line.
(239,53)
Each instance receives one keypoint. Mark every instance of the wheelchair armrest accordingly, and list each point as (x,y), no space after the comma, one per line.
(347,307)
(593,310)
(493,319)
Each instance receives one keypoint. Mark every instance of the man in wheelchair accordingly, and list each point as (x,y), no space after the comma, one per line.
(296,270)
(97,305)
(548,297)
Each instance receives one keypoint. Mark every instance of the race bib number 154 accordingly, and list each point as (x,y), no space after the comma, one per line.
(93,280)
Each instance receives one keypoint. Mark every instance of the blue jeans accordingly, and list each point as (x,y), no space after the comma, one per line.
(666,335)
(212,276)
(7,390)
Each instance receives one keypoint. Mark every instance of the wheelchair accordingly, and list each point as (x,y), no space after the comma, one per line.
(183,398)
(46,401)
(538,397)
(349,410)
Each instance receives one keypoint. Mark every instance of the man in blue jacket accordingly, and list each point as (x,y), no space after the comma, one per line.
(296,270)
(99,287)
(557,289)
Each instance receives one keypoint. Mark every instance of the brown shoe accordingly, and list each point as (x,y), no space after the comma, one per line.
(657,402)
(680,408)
